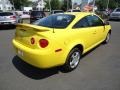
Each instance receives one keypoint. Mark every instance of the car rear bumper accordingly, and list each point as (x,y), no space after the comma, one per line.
(12,22)
(38,58)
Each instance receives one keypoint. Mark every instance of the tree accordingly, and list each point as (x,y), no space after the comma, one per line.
(102,4)
(55,4)
(18,4)
(67,4)
(118,3)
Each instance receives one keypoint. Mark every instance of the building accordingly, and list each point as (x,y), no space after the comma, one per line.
(5,5)
(39,5)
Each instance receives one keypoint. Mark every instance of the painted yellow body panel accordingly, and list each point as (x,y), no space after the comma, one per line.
(63,40)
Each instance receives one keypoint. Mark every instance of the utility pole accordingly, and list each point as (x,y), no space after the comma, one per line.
(50,5)
(67,4)
(72,4)
(107,4)
(93,6)
(42,4)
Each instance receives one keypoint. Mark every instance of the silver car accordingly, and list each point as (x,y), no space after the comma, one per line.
(9,18)
(115,15)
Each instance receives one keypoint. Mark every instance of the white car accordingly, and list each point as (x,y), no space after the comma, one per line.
(115,15)
(9,18)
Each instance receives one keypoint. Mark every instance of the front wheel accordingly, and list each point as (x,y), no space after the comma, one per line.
(73,60)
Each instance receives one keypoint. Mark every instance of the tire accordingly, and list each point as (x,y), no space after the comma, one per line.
(72,60)
(107,39)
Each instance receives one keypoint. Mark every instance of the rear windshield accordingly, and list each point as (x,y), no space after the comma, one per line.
(117,10)
(55,21)
(37,13)
(6,14)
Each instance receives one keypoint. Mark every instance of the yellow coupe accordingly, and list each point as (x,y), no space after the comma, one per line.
(60,39)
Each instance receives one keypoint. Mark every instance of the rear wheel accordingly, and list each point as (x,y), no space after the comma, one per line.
(73,60)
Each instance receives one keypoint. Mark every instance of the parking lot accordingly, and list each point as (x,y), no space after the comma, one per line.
(98,69)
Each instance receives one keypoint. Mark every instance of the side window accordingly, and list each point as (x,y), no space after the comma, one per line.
(82,23)
(94,21)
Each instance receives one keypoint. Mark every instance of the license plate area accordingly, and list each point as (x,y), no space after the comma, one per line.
(5,23)
(20,52)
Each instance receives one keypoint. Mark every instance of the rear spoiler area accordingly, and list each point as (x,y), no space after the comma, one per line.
(32,27)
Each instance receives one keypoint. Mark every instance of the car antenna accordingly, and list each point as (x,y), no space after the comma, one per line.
(93,11)
(52,25)
(50,13)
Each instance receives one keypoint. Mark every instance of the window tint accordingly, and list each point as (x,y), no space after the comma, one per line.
(89,21)
(5,14)
(118,10)
(37,13)
(82,23)
(55,21)
(94,21)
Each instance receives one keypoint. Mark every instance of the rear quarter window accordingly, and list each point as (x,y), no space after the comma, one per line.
(94,21)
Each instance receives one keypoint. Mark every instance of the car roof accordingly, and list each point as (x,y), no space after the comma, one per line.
(79,13)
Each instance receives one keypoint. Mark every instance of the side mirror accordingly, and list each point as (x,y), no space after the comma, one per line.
(106,22)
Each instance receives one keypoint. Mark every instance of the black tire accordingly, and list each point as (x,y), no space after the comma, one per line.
(107,39)
(72,60)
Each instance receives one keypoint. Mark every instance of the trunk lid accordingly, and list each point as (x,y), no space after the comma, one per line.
(26,32)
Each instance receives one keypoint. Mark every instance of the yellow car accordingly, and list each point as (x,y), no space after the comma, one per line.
(60,39)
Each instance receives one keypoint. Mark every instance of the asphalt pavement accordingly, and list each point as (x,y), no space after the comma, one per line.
(98,69)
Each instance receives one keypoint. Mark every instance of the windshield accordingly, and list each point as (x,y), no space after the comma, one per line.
(55,21)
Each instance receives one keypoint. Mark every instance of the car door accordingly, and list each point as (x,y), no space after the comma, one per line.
(84,33)
(96,24)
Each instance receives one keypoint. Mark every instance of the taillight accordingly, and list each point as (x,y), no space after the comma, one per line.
(32,40)
(43,43)
(13,17)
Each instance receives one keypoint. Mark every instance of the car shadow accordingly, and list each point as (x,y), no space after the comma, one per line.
(7,27)
(33,72)
(37,73)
